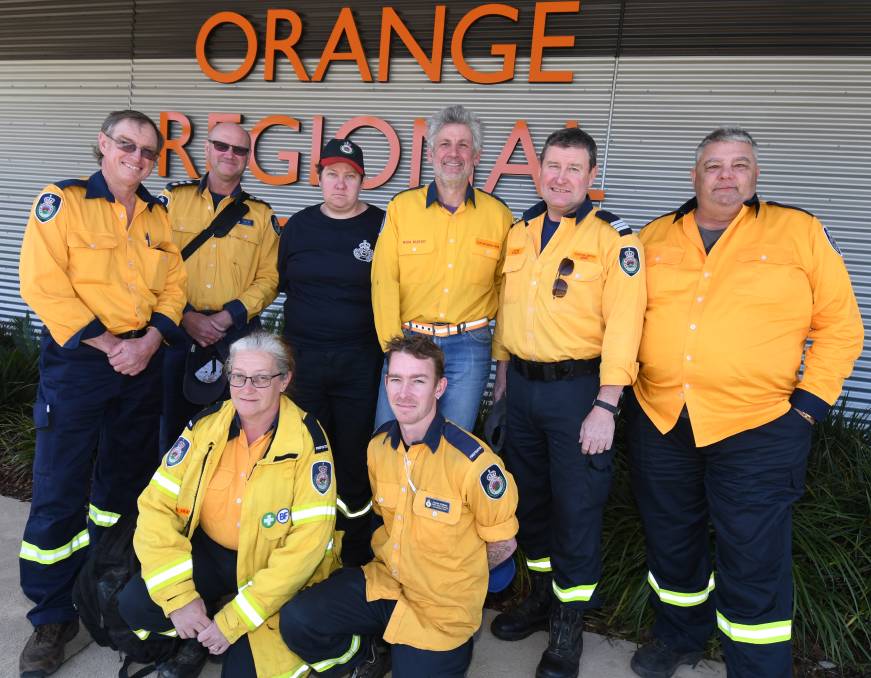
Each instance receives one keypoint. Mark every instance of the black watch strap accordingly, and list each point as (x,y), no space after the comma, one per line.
(605,406)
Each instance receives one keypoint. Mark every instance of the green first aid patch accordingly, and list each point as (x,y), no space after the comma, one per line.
(268,519)
(47,207)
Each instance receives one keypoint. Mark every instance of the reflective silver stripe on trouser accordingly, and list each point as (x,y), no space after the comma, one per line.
(51,556)
(678,598)
(539,564)
(322,666)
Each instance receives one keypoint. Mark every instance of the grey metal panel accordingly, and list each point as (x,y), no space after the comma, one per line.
(811,117)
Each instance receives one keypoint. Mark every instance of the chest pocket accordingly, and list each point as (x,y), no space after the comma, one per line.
(583,291)
(511,278)
(766,272)
(483,265)
(387,495)
(155,264)
(271,491)
(435,520)
(91,255)
(664,272)
(415,256)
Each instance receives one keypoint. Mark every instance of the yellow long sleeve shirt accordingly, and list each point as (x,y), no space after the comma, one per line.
(724,332)
(603,308)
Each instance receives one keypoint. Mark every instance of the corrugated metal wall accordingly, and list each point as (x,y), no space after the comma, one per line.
(812,116)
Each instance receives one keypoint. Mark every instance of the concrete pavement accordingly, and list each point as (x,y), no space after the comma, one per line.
(602,658)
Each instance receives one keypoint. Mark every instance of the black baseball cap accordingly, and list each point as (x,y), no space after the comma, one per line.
(204,378)
(343,150)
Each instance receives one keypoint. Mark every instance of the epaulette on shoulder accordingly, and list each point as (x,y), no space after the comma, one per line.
(789,207)
(463,441)
(619,225)
(521,220)
(205,412)
(316,432)
(384,428)
(69,183)
(172,185)
(254,198)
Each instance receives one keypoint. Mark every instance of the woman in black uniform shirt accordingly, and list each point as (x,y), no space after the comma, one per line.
(324,261)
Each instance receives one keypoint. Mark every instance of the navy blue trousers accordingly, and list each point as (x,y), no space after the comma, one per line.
(177,410)
(340,388)
(562,492)
(96,439)
(326,622)
(214,574)
(745,485)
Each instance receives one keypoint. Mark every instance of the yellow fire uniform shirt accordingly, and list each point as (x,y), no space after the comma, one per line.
(221,516)
(84,271)
(602,311)
(724,332)
(286,534)
(440,501)
(432,266)
(238,272)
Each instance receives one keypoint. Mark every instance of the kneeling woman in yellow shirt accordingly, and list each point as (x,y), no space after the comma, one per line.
(243,508)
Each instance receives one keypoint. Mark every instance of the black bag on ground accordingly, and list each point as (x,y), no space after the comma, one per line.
(108,568)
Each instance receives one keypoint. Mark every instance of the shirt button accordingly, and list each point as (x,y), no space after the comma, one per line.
(414,249)
(396,547)
(534,283)
(763,257)
(241,475)
(658,258)
(441,315)
(435,514)
(380,499)
(452,241)
(450,265)
(401,490)
(699,299)
(692,326)
(395,572)
(214,245)
(399,517)
(92,245)
(689,357)
(238,525)
(686,386)
(707,274)
(209,285)
(238,500)
(445,290)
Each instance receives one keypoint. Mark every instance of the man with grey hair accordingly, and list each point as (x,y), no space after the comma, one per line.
(438,263)
(99,267)
(719,424)
(229,240)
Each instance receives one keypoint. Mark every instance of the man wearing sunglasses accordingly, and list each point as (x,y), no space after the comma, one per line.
(570,314)
(719,422)
(99,267)
(232,275)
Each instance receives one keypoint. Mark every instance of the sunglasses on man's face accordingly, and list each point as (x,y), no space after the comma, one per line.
(127,146)
(222,147)
(560,286)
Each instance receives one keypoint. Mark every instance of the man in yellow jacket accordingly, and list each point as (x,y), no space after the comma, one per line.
(243,505)
(232,276)
(720,425)
(99,268)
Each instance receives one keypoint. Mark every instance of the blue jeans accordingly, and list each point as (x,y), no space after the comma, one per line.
(467,367)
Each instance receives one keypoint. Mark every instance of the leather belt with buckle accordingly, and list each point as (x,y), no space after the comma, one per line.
(445,329)
(133,334)
(565,369)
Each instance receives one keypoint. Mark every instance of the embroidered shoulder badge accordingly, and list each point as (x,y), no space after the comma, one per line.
(163,199)
(322,475)
(832,241)
(630,262)
(178,451)
(494,482)
(363,251)
(275,225)
(283,515)
(47,207)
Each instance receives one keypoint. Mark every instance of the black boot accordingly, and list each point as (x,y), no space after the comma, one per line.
(563,654)
(187,662)
(658,660)
(44,652)
(530,615)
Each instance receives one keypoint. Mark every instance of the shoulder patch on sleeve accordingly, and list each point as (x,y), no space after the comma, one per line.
(322,476)
(463,441)
(47,206)
(789,207)
(205,412)
(177,452)
(493,481)
(276,226)
(832,242)
(619,225)
(317,434)
(630,260)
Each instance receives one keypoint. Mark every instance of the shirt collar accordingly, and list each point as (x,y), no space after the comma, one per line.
(432,194)
(540,208)
(693,203)
(204,184)
(236,426)
(432,438)
(98,188)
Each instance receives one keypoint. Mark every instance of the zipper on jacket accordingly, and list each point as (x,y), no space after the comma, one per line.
(197,491)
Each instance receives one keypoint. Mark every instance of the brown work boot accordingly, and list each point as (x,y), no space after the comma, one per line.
(44,652)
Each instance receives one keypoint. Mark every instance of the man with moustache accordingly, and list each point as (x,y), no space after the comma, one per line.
(437,264)
(232,275)
(720,425)
(99,267)
(570,314)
